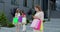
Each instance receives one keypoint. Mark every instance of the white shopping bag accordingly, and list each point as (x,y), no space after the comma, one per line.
(34,23)
(24,20)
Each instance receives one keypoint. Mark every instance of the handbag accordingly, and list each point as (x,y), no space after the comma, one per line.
(37,27)
(20,19)
(15,20)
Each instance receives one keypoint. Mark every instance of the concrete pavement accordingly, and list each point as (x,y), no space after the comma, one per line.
(49,26)
(52,26)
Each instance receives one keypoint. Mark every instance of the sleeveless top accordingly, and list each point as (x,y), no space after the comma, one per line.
(17,14)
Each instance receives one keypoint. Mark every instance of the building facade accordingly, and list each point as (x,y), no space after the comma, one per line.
(7,5)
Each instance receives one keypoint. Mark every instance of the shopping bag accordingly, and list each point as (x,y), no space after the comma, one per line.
(24,20)
(15,20)
(41,28)
(37,27)
(34,23)
(20,19)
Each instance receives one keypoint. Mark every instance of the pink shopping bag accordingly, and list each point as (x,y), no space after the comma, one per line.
(37,27)
(34,23)
(41,28)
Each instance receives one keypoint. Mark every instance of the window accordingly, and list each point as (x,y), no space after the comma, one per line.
(25,3)
(14,2)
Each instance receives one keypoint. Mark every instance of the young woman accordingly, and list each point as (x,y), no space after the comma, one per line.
(39,15)
(17,14)
(24,21)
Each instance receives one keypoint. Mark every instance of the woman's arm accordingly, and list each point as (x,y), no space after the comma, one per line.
(15,14)
(35,17)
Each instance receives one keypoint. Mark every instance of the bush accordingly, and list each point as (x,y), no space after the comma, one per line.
(10,25)
(3,19)
(27,21)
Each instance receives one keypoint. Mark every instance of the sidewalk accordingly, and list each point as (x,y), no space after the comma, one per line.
(49,26)
(52,26)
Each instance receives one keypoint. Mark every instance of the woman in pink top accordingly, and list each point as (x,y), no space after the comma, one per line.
(39,15)
(24,21)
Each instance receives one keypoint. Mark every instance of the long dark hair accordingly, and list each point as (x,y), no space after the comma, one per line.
(23,12)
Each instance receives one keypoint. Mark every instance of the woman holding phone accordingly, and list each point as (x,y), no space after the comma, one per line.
(38,15)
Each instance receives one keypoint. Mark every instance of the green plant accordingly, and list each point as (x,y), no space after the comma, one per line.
(27,21)
(3,19)
(10,25)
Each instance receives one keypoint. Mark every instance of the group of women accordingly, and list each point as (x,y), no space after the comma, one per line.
(38,15)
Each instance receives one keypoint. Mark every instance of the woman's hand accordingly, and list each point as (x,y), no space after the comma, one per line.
(35,17)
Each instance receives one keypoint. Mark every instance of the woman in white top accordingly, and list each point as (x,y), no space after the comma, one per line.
(17,14)
(39,15)
(24,21)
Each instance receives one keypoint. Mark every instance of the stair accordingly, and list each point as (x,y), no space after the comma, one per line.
(55,14)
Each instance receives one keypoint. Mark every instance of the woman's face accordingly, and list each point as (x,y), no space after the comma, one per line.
(36,9)
(17,11)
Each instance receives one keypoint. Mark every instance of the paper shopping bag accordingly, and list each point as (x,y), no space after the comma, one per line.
(20,19)
(15,20)
(37,27)
(24,20)
(34,23)
(41,28)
